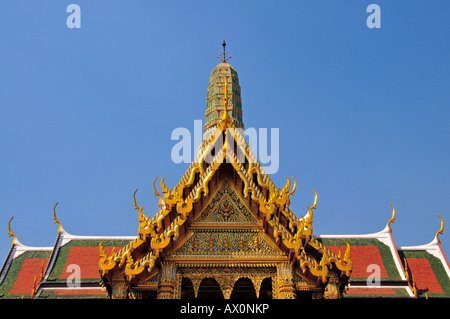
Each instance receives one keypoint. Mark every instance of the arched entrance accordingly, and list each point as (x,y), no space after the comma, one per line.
(265,292)
(209,289)
(243,289)
(187,289)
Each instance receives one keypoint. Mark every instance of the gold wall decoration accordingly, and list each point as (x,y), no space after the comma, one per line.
(226,242)
(236,211)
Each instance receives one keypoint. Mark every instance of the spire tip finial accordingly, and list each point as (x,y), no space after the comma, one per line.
(224,56)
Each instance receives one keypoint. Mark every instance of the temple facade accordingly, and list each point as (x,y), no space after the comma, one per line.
(225,231)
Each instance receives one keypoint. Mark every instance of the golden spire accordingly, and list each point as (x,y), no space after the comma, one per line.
(392,220)
(225,116)
(55,220)
(10,233)
(441,230)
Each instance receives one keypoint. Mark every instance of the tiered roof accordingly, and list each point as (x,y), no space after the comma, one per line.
(69,269)
(419,271)
(43,272)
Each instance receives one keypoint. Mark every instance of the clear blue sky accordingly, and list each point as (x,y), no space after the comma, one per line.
(87,114)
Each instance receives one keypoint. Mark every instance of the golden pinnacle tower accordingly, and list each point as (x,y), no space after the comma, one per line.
(222,73)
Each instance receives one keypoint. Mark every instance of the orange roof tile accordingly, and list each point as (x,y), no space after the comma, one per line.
(87,259)
(31,268)
(362,257)
(424,275)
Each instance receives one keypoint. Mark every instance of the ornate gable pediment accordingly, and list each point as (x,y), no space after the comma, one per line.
(242,244)
(226,227)
(226,207)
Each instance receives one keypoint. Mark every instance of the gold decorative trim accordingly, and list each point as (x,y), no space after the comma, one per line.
(441,230)
(55,220)
(392,218)
(10,233)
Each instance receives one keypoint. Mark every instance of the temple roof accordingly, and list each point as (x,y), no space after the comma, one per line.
(47,272)
(373,255)
(21,270)
(414,271)
(408,271)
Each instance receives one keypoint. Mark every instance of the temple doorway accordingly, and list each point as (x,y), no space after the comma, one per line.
(243,289)
(209,289)
(265,292)
(187,289)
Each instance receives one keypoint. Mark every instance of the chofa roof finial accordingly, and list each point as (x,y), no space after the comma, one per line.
(392,220)
(441,230)
(55,220)
(10,233)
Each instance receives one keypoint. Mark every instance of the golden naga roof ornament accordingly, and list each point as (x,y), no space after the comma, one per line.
(42,271)
(315,202)
(55,220)
(392,220)
(406,269)
(34,290)
(414,286)
(346,263)
(106,263)
(168,197)
(305,224)
(283,195)
(135,203)
(103,255)
(309,218)
(157,194)
(293,188)
(141,218)
(10,233)
(37,282)
(441,229)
